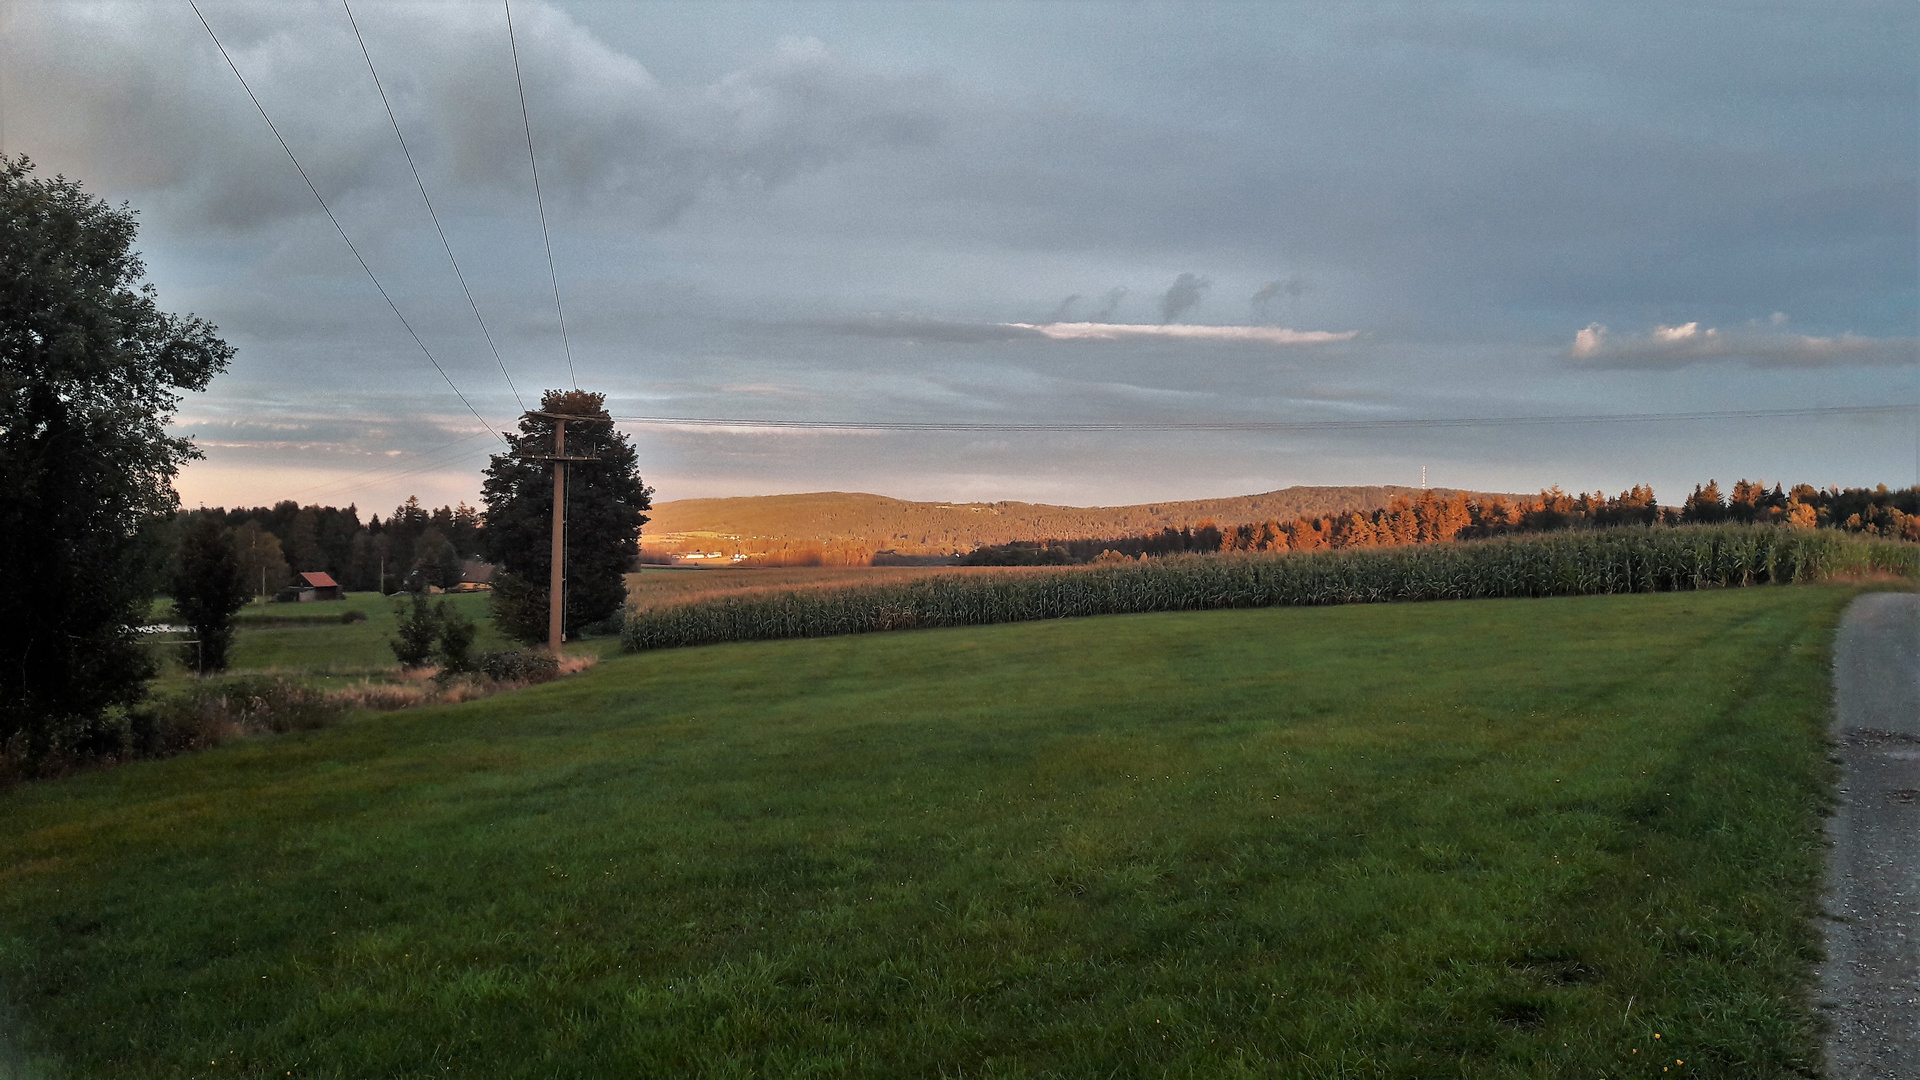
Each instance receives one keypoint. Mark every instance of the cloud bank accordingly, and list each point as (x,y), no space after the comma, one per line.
(133,96)
(1270,335)
(907,328)
(1763,346)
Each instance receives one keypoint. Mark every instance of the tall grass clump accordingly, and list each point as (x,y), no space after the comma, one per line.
(1624,560)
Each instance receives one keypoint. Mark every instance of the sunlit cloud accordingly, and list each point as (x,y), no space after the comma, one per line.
(1271,335)
(1756,344)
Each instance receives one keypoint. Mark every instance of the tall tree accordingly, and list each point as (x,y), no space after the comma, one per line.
(435,559)
(262,565)
(606,506)
(207,589)
(91,371)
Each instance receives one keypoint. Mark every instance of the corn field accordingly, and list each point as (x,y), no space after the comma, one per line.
(1624,560)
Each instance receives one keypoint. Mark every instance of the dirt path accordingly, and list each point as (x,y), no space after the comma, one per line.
(1870,984)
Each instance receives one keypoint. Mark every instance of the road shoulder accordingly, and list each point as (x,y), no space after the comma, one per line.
(1870,982)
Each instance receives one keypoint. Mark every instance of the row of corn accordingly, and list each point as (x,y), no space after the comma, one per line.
(1622,560)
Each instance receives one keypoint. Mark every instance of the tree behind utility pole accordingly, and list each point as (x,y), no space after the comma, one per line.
(606,504)
(207,589)
(91,371)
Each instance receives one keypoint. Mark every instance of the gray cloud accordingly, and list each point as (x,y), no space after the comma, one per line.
(1293,287)
(101,89)
(908,328)
(1182,296)
(1109,304)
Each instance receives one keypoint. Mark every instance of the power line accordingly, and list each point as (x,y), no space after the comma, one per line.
(538,200)
(343,486)
(432,452)
(336,221)
(1263,425)
(444,242)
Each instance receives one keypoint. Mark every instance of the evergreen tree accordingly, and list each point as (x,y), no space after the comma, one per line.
(606,504)
(1704,506)
(435,559)
(91,371)
(417,629)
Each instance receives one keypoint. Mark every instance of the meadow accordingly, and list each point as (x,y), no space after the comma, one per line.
(312,643)
(1572,836)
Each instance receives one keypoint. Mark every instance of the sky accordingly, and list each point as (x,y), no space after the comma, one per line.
(1017,214)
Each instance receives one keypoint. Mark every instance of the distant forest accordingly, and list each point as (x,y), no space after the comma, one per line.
(1434,517)
(276,542)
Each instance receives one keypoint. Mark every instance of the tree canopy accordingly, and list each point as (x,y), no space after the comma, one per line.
(91,371)
(606,504)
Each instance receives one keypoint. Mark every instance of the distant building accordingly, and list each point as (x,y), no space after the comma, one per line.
(318,585)
(475,576)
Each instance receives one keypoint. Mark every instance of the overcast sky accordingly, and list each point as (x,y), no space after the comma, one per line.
(1020,213)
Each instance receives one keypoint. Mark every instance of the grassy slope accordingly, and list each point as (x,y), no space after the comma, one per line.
(1497,838)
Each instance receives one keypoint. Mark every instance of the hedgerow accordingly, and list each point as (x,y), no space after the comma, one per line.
(1623,560)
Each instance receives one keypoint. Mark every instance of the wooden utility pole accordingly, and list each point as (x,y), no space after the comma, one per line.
(557,576)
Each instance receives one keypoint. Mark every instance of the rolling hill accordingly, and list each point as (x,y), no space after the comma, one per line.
(854,521)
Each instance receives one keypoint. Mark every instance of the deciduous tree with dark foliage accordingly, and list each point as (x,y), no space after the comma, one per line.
(91,371)
(207,589)
(606,506)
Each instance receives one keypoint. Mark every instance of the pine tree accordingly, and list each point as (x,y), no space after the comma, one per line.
(606,504)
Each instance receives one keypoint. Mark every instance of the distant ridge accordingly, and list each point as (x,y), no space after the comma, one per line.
(877,523)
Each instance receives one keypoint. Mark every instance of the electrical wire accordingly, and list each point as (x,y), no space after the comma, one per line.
(538,200)
(432,452)
(417,468)
(444,242)
(336,222)
(1262,425)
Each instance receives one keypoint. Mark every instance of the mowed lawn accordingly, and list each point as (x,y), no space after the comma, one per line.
(325,646)
(1566,837)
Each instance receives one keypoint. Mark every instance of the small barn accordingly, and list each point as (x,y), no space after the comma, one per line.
(475,576)
(318,586)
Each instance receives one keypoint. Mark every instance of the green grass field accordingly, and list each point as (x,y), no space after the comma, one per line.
(308,640)
(1479,839)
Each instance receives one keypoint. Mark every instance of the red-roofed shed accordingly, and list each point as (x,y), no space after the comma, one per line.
(319,586)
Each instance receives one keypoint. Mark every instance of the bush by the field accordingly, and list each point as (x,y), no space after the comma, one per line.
(212,711)
(1560,564)
(519,666)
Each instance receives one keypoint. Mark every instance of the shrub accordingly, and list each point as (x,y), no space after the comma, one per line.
(612,624)
(519,608)
(216,710)
(1629,559)
(419,626)
(519,666)
(455,641)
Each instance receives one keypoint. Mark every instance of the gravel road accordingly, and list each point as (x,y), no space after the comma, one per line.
(1870,984)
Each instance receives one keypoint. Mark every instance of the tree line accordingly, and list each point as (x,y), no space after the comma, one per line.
(273,544)
(1433,518)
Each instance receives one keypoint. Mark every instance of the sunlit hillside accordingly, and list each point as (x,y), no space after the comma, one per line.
(851,522)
